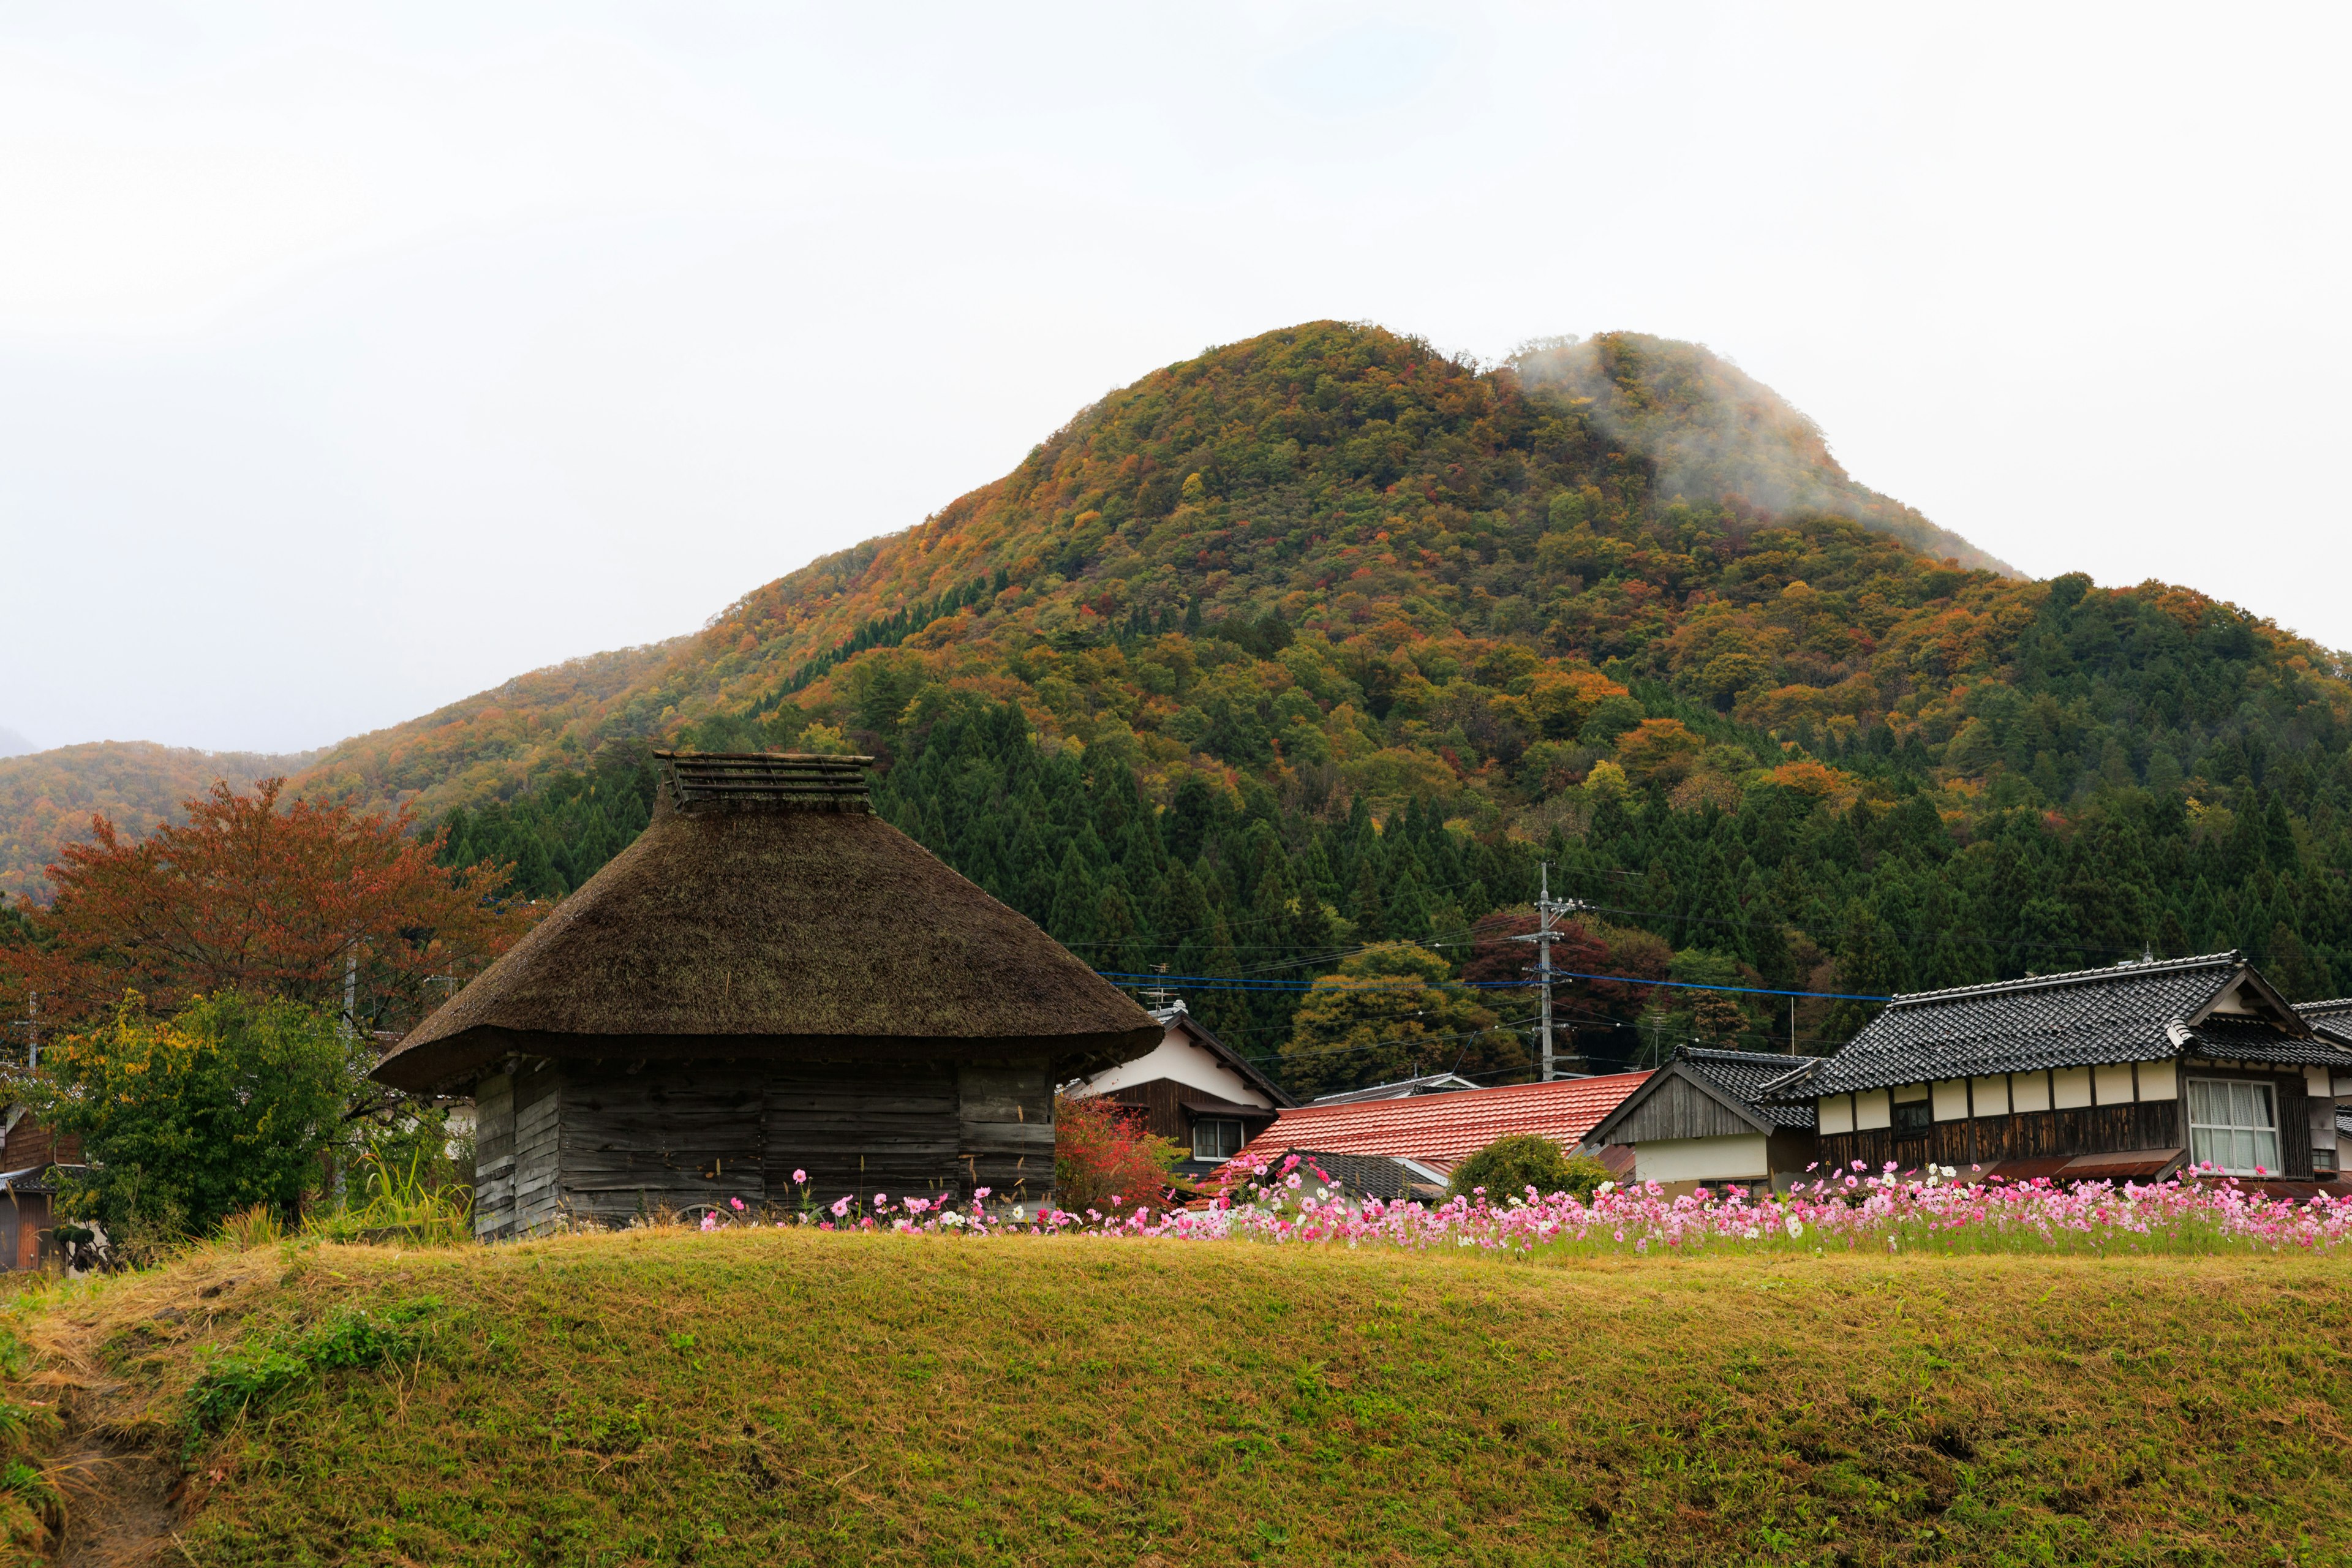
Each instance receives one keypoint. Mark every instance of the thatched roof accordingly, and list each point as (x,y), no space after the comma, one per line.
(778,919)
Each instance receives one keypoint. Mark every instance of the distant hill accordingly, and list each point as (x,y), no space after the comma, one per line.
(1325,638)
(1301,440)
(13,744)
(46,798)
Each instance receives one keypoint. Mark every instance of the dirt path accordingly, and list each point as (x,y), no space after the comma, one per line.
(120,1508)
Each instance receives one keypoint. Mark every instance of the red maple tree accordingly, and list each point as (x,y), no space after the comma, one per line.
(266,897)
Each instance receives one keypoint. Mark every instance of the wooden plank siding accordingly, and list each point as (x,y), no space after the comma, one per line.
(1680,1108)
(606,1144)
(2088,1129)
(1161,1102)
(494,1157)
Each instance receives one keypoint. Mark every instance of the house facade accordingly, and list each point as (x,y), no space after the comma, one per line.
(1709,1119)
(1193,1088)
(2132,1072)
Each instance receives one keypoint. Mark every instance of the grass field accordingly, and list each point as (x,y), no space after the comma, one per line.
(770,1396)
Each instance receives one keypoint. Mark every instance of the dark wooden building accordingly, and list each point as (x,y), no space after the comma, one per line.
(1711,1119)
(1195,1088)
(2132,1072)
(771,979)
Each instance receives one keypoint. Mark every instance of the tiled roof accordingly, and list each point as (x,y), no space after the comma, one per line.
(2253,1040)
(1745,1076)
(2333,1018)
(1372,1175)
(2129,1013)
(1403,1089)
(1441,1130)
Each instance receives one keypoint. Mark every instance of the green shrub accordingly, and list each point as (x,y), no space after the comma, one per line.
(1507,1167)
(351,1340)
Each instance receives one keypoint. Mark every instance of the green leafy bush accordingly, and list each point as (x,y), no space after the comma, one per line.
(1507,1167)
(189,1120)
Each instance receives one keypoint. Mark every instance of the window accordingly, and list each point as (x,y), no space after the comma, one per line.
(1911,1116)
(2232,1126)
(1216,1139)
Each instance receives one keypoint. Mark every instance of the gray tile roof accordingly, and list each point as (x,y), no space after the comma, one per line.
(2130,1013)
(2253,1040)
(2333,1018)
(1746,1076)
(1374,1175)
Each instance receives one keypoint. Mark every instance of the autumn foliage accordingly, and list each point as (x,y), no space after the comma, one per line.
(1102,1152)
(260,896)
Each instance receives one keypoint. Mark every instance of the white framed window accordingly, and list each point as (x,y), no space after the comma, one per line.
(1217,1138)
(2233,1126)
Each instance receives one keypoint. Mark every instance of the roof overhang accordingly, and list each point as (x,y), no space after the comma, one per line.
(2247,983)
(455,1062)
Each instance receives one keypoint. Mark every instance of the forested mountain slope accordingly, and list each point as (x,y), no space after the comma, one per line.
(1612,606)
(46,798)
(1324,639)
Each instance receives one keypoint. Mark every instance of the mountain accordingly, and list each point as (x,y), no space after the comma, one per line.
(13,744)
(46,798)
(1324,638)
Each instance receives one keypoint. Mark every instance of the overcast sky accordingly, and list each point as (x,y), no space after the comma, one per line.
(351,362)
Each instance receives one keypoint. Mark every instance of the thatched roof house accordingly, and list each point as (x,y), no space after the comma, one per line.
(770,979)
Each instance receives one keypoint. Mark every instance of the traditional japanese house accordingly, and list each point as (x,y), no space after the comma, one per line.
(1708,1119)
(2132,1072)
(1195,1088)
(771,979)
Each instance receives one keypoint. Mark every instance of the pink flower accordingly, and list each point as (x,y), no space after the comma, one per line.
(711,1222)
(800,1178)
(982,1192)
(880,1199)
(738,1204)
(840,1207)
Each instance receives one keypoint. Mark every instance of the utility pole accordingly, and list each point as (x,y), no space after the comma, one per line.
(351,991)
(1543,936)
(32,1030)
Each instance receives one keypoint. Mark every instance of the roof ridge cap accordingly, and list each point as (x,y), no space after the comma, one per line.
(2333,1004)
(2128,969)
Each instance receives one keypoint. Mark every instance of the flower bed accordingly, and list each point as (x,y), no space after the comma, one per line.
(1296,1204)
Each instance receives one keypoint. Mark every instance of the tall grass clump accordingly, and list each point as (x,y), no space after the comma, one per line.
(402,1200)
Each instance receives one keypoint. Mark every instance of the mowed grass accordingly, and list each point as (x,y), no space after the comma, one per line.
(763,1398)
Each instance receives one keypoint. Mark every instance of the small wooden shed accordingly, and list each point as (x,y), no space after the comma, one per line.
(771,979)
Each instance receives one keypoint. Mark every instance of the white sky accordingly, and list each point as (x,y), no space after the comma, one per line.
(352,361)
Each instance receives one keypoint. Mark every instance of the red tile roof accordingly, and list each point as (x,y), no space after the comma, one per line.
(1441,1130)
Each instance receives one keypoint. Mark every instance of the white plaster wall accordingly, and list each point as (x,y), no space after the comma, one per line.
(1870,1110)
(2114,1081)
(2073,1086)
(1992,1095)
(2160,1081)
(1177,1058)
(1836,1113)
(1729,1159)
(1951,1097)
(2029,1091)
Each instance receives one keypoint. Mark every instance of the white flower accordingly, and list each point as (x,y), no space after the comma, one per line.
(1796,1227)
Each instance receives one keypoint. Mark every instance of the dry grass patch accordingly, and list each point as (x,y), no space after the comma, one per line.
(758,1397)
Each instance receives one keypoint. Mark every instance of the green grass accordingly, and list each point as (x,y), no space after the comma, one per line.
(756,1398)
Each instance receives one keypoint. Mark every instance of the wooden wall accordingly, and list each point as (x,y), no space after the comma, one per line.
(606,1144)
(2046,1134)
(1679,1108)
(30,1144)
(1161,1102)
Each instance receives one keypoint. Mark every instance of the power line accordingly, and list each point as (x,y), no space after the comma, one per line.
(1229,983)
